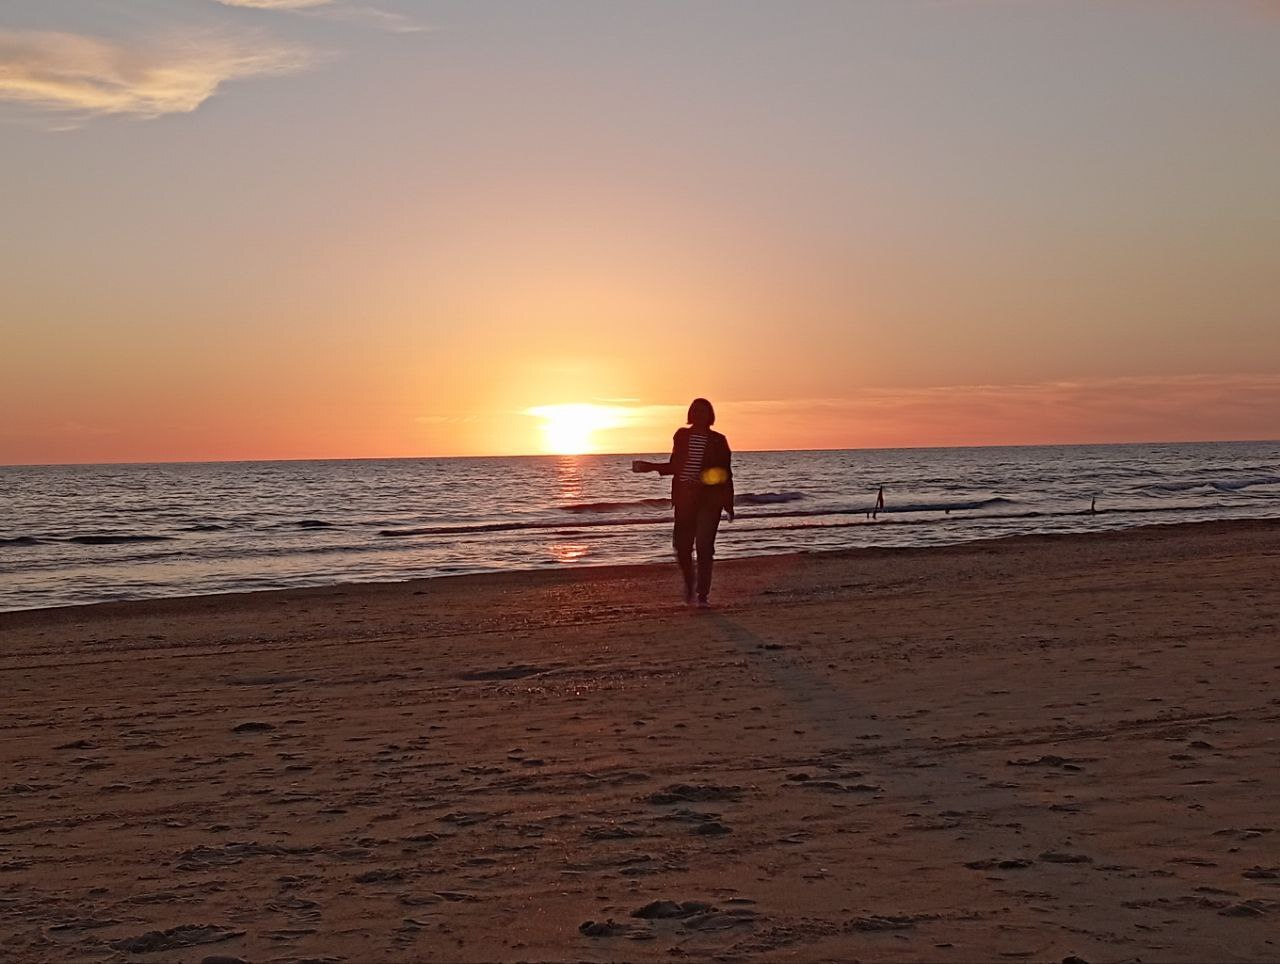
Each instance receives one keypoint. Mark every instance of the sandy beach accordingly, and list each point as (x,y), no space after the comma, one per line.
(1026,749)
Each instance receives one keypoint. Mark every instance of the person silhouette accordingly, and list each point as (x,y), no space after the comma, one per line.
(701,488)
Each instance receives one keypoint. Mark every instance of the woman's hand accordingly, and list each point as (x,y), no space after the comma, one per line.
(639,465)
(729,510)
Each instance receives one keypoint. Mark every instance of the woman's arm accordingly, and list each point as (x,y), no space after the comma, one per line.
(662,468)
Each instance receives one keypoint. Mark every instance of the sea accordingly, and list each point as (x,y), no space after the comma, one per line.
(79,534)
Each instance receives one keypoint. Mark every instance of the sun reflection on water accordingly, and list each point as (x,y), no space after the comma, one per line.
(569,478)
(568,551)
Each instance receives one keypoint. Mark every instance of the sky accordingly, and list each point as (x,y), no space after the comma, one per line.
(249,229)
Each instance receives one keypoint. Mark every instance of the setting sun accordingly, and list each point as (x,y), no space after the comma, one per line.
(571,429)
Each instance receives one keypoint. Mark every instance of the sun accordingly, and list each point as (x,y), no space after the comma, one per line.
(570,429)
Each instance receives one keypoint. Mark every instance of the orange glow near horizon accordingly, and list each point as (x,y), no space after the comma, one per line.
(359,424)
(571,429)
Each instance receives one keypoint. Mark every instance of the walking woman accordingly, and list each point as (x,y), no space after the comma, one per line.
(701,487)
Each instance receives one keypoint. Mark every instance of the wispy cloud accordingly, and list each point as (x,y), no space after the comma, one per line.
(78,76)
(1133,408)
(374,17)
(275,4)
(353,13)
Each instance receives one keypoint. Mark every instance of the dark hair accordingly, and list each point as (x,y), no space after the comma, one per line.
(698,403)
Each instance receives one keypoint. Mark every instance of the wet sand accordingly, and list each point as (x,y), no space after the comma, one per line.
(1025,749)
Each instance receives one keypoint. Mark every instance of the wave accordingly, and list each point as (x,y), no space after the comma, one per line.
(745,498)
(1235,485)
(515,527)
(974,514)
(894,508)
(1174,486)
(663,520)
(1225,485)
(615,506)
(766,498)
(207,527)
(112,540)
(948,506)
(1113,511)
(20,541)
(313,524)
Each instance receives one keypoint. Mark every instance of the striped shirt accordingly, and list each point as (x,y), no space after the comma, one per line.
(692,471)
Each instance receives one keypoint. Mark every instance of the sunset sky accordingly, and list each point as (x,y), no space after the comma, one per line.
(240,229)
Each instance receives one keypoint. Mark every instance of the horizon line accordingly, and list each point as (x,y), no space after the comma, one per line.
(579,455)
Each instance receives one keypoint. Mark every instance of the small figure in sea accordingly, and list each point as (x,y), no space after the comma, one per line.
(1093,506)
(701,488)
(879,503)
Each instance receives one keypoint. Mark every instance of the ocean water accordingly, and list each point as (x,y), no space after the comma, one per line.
(89,533)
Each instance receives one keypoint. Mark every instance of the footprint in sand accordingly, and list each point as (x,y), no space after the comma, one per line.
(175,938)
(1262,873)
(1250,908)
(886,922)
(1049,760)
(611,928)
(712,828)
(696,915)
(1061,857)
(835,786)
(671,909)
(996,863)
(612,832)
(691,793)
(253,726)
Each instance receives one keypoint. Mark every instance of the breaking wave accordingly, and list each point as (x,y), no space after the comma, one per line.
(1223,485)
(743,498)
(766,498)
(616,506)
(114,540)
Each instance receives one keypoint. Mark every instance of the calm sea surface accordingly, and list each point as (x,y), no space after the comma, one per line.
(82,534)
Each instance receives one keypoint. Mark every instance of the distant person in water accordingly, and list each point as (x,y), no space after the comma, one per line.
(701,488)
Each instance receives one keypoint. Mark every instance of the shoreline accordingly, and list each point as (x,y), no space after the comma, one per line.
(635,569)
(1024,748)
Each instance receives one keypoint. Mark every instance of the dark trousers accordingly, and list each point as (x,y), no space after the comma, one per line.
(697,521)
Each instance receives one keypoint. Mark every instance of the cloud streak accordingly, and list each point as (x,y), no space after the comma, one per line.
(79,76)
(1089,410)
(1119,409)
(275,4)
(357,14)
